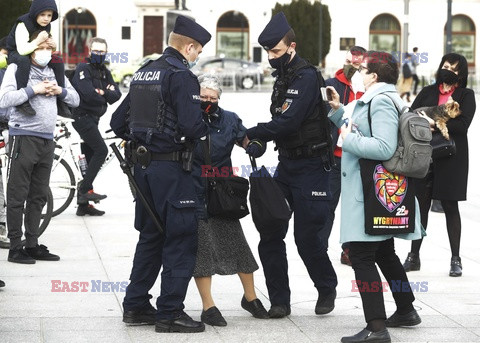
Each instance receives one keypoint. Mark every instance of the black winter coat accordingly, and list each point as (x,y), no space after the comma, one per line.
(451,174)
(86,79)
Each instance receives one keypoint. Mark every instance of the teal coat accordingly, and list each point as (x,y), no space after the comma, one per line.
(380,147)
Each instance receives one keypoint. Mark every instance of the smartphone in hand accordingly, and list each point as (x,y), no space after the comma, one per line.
(326,94)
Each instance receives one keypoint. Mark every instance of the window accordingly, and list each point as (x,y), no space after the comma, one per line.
(233,35)
(463,37)
(385,33)
(79,26)
(125,32)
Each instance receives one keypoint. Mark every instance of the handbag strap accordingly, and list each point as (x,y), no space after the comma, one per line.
(400,111)
(253,162)
(206,150)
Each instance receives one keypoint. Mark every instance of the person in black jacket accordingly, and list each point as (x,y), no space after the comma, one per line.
(162,115)
(95,85)
(447,178)
(301,131)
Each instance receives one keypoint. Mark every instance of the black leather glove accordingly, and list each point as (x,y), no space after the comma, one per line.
(256,148)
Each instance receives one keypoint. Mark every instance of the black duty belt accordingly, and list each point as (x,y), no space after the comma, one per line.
(171,156)
(300,152)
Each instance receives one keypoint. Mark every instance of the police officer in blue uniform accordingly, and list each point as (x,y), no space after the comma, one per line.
(163,114)
(301,132)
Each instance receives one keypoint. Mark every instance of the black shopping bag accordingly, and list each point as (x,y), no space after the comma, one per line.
(389,200)
(270,210)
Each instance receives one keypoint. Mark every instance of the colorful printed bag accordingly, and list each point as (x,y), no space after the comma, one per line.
(389,200)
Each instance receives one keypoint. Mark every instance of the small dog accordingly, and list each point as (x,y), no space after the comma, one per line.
(441,114)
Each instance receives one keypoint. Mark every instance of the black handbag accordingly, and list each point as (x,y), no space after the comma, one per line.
(226,196)
(388,199)
(442,147)
(270,208)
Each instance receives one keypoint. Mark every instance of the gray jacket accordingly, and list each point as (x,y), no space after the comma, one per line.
(43,123)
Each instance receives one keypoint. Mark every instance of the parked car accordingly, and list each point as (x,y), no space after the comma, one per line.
(122,73)
(231,71)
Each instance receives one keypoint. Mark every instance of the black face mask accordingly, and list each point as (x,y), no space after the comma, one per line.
(209,107)
(348,71)
(280,62)
(97,58)
(447,76)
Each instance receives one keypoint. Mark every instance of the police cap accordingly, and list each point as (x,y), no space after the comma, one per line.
(187,27)
(274,31)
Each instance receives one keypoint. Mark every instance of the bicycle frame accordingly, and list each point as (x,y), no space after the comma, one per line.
(69,146)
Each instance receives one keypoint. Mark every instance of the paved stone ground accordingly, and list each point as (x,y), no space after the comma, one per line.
(102,249)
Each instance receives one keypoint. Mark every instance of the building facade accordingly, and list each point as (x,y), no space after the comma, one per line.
(135,28)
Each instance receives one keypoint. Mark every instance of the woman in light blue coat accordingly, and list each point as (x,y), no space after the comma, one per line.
(380,74)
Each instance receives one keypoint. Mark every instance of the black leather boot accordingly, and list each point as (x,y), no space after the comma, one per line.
(412,263)
(456,266)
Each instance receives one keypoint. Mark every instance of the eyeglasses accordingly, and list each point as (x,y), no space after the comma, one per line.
(209,98)
(98,52)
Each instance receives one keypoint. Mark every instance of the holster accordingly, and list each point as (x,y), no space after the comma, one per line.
(138,154)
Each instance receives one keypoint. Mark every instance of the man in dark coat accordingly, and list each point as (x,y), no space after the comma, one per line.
(162,115)
(301,132)
(94,82)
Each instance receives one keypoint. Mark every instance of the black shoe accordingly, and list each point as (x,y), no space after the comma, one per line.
(140,317)
(255,307)
(41,253)
(26,109)
(279,311)
(182,323)
(410,319)
(20,256)
(213,317)
(84,198)
(456,266)
(63,109)
(84,209)
(412,262)
(368,336)
(326,303)
(2,284)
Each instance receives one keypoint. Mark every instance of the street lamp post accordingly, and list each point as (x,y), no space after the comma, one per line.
(320,32)
(405,25)
(448,46)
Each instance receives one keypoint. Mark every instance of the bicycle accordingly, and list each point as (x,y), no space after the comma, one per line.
(4,171)
(66,176)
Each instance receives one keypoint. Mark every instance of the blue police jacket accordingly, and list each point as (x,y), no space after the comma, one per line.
(225,130)
(179,91)
(301,99)
(89,77)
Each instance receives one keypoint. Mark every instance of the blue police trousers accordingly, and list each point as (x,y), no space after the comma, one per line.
(170,191)
(305,185)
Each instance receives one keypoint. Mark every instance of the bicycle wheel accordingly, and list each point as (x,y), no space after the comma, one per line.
(62,185)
